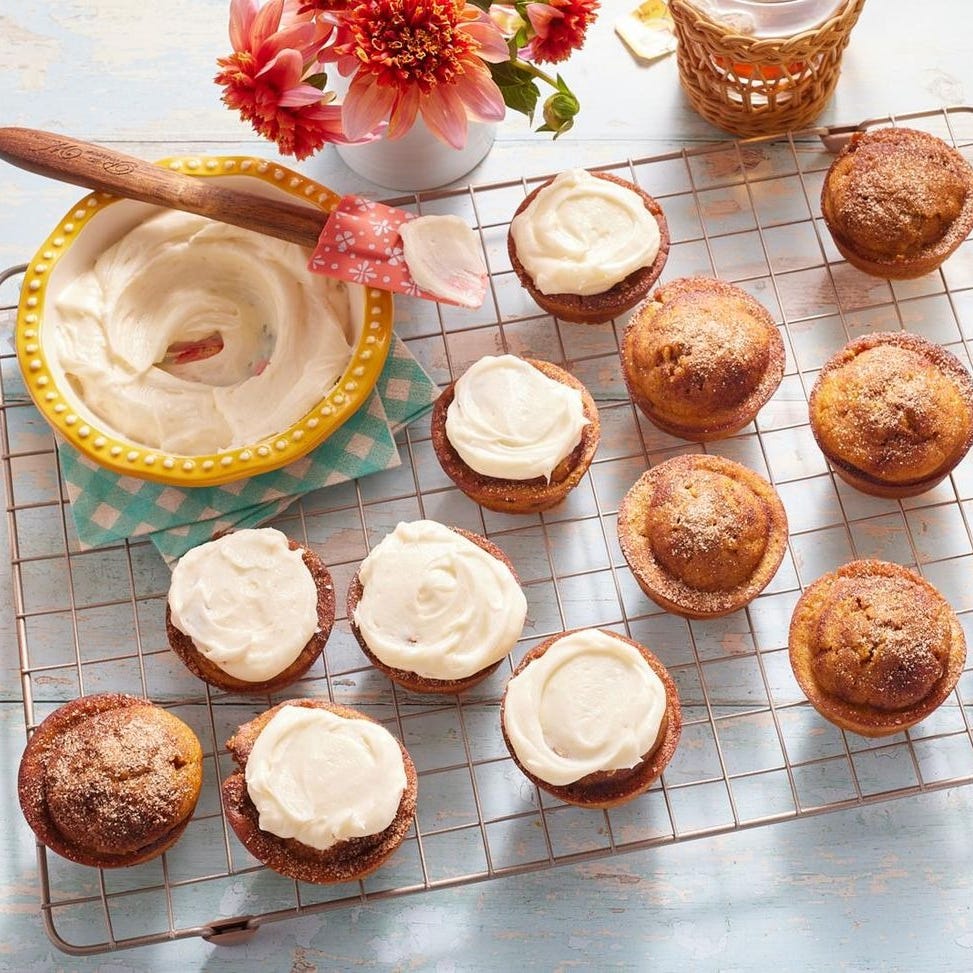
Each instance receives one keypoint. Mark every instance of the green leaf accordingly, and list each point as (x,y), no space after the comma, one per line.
(317,80)
(517,87)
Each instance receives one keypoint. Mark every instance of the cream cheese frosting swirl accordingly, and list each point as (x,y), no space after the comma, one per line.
(176,280)
(436,604)
(509,420)
(590,703)
(582,235)
(322,778)
(247,601)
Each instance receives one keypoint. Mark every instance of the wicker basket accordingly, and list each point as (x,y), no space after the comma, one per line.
(751,86)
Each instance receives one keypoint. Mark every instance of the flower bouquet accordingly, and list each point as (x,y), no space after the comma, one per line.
(447,62)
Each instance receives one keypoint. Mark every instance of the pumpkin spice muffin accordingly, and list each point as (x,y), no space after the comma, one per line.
(588,246)
(515,434)
(875,647)
(591,717)
(893,413)
(701,357)
(323,794)
(110,780)
(251,611)
(898,202)
(436,608)
(703,535)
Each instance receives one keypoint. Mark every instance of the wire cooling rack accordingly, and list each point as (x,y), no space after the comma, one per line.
(752,750)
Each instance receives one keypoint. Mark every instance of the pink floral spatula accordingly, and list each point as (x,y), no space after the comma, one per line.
(434,257)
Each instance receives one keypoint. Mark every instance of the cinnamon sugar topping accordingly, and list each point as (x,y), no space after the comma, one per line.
(112,782)
(893,407)
(703,535)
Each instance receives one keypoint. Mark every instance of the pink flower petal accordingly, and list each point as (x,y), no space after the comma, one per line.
(283,71)
(242,13)
(480,94)
(493,47)
(366,105)
(302,37)
(540,16)
(265,23)
(404,114)
(445,116)
(303,94)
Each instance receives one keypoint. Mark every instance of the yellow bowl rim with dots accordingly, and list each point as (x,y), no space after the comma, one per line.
(133,459)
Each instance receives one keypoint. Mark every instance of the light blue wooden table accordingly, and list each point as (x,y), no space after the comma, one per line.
(885,887)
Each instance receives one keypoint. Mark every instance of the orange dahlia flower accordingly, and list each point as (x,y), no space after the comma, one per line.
(560,27)
(264,78)
(423,58)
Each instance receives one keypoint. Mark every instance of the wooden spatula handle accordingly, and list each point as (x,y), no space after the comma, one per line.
(104,170)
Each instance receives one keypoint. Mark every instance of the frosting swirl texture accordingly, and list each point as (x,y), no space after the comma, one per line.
(582,235)
(510,421)
(590,703)
(321,778)
(436,604)
(126,328)
(247,601)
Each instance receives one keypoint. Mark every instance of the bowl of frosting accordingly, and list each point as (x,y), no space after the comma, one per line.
(173,348)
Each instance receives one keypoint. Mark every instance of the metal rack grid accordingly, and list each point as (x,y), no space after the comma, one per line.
(752,750)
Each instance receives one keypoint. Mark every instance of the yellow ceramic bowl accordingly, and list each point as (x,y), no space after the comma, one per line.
(94,224)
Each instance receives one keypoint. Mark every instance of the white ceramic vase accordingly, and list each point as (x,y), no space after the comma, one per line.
(418,160)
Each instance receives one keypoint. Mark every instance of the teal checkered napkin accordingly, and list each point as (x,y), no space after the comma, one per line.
(108,507)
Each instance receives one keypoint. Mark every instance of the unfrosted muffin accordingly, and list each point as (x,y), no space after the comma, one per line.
(703,535)
(323,793)
(898,202)
(110,780)
(515,434)
(250,611)
(875,647)
(588,246)
(893,413)
(701,357)
(436,608)
(591,717)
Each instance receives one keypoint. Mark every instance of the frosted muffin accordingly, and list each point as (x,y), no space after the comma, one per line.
(875,647)
(588,246)
(703,535)
(436,608)
(591,717)
(323,793)
(893,413)
(110,780)
(701,357)
(898,202)
(250,611)
(515,434)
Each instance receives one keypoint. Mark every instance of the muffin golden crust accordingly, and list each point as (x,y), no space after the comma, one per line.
(110,780)
(207,670)
(898,202)
(875,647)
(893,413)
(348,860)
(411,680)
(703,535)
(597,308)
(606,788)
(701,357)
(519,496)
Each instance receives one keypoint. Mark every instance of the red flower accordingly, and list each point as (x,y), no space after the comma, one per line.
(264,78)
(560,27)
(425,58)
